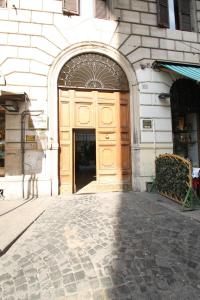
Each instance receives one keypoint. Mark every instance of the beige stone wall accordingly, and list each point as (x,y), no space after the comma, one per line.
(138,20)
(34,34)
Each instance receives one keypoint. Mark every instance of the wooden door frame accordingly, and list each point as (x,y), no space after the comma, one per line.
(74,160)
(71,101)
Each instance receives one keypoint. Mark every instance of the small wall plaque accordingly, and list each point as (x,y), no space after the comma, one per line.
(30,138)
(147,124)
(38,122)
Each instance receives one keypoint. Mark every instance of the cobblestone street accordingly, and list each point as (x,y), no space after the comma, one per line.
(105,246)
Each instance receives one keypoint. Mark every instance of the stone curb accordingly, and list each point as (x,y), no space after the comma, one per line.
(15,222)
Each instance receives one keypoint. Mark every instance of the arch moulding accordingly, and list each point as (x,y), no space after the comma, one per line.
(54,71)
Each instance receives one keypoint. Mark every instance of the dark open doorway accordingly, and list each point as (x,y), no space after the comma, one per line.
(186,119)
(84,157)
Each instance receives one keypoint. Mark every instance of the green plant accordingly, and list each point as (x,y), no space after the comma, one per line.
(174,178)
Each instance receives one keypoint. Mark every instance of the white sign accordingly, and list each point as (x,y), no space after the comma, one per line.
(38,122)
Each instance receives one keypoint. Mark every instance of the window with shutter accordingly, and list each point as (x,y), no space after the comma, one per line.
(102,9)
(71,7)
(163,16)
(3,3)
(184,15)
(174,14)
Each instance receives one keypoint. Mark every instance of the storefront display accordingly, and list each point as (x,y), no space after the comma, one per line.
(186,120)
(185,131)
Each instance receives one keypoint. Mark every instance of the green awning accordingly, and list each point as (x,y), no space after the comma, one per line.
(187,71)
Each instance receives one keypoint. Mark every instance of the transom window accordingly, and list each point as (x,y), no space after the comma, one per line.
(92,71)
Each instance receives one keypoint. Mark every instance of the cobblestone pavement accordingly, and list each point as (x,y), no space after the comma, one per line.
(105,246)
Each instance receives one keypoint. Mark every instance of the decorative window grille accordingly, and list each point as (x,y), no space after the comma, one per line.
(71,7)
(93,71)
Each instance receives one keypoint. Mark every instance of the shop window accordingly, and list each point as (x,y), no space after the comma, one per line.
(2,142)
(175,14)
(3,3)
(185,107)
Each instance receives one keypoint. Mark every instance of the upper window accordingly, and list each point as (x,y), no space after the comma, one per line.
(102,9)
(96,8)
(175,14)
(3,3)
(71,7)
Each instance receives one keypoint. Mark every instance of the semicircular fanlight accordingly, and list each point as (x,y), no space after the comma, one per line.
(93,71)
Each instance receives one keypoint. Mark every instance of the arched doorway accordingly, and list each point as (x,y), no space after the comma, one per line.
(94,125)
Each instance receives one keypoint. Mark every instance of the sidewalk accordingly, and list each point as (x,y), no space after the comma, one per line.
(16,217)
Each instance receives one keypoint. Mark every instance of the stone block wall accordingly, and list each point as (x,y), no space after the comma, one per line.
(138,20)
(33,34)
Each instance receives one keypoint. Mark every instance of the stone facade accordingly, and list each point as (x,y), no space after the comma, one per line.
(36,39)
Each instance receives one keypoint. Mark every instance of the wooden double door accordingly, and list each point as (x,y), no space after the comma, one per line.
(107,113)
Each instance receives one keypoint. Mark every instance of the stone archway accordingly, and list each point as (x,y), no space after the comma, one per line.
(66,55)
(93,95)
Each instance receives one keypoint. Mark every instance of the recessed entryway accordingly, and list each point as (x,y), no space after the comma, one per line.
(94,104)
(103,117)
(84,160)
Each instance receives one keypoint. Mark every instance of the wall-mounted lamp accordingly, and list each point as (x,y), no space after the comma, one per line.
(10,101)
(10,106)
(163,96)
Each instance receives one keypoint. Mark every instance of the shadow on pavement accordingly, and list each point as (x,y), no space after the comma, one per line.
(156,252)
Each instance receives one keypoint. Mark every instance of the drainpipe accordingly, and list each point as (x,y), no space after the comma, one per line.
(154,137)
(23,116)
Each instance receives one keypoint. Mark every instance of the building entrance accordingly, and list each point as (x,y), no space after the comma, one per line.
(103,118)
(94,105)
(84,159)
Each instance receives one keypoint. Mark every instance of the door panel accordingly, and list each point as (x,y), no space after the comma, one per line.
(107,115)
(125,157)
(64,113)
(109,126)
(124,115)
(84,115)
(65,167)
(107,157)
(65,136)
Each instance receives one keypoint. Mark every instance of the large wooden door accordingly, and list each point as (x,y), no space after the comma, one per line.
(65,141)
(113,141)
(108,113)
